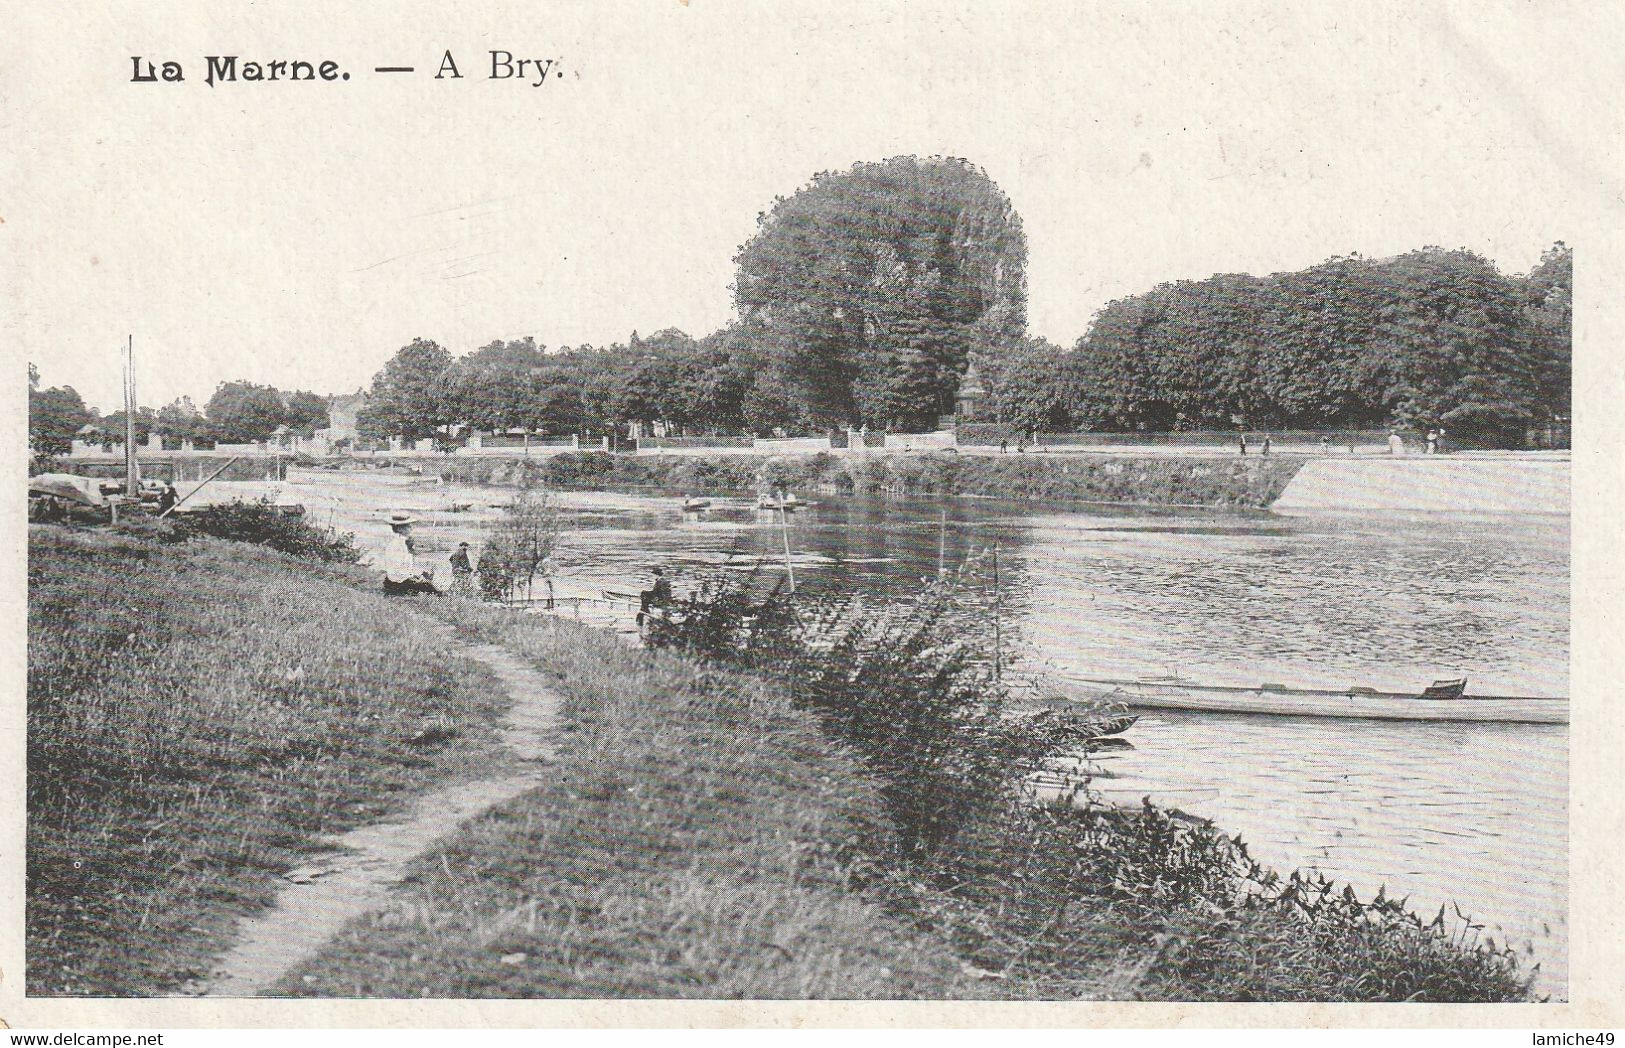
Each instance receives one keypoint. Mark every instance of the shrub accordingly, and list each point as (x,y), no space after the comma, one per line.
(1102,901)
(264,523)
(517,545)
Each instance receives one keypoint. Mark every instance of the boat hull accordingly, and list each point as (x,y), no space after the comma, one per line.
(1311,703)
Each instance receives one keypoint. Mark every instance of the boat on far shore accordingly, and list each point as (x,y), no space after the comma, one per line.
(1445,700)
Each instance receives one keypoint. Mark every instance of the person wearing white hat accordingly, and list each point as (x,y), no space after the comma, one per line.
(401,573)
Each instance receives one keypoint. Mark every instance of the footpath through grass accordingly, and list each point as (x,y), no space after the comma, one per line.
(695,842)
(199,715)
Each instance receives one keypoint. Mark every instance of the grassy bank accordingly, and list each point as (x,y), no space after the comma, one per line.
(694,843)
(714,825)
(1172,480)
(716,833)
(199,715)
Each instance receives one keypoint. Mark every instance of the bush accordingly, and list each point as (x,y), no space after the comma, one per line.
(517,544)
(263,523)
(1104,902)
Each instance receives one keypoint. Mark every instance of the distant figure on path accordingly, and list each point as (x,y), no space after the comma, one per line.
(401,574)
(462,572)
(1396,446)
(1326,446)
(1433,442)
(1266,449)
(1004,446)
(1241,444)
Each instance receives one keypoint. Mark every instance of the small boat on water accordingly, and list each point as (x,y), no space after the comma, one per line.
(1115,726)
(695,505)
(1444,700)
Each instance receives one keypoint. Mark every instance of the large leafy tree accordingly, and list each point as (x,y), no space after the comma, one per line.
(496,386)
(1042,387)
(244,412)
(1549,315)
(872,287)
(181,419)
(408,395)
(54,416)
(304,409)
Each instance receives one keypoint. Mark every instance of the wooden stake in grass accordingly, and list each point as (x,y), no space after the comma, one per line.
(784,527)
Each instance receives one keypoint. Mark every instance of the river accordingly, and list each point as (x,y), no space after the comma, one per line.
(1476,815)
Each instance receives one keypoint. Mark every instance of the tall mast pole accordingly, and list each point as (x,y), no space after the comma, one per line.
(132,475)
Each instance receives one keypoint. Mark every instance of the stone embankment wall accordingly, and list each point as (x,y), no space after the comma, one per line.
(1517,482)
(1143,479)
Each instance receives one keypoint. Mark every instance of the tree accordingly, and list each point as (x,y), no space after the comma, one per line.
(55,415)
(1549,314)
(871,287)
(408,395)
(496,387)
(303,409)
(245,412)
(1349,342)
(517,544)
(1041,388)
(181,420)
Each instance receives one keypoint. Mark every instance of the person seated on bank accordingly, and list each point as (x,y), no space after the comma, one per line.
(656,598)
(401,573)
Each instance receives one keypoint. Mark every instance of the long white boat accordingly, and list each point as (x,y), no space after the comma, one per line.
(1444,701)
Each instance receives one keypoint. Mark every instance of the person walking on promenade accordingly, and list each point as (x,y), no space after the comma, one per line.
(1433,442)
(1241,445)
(1325,445)
(462,572)
(1396,445)
(1266,448)
(401,574)
(1004,445)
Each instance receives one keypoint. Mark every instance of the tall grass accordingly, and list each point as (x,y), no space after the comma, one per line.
(695,839)
(198,717)
(1061,899)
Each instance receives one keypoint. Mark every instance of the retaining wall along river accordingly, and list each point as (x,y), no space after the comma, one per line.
(1514,483)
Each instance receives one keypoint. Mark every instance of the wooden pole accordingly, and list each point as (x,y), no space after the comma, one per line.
(942,545)
(784,527)
(132,474)
(199,488)
(998,642)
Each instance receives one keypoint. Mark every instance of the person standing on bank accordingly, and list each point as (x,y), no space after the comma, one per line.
(1242,444)
(462,571)
(1266,448)
(401,574)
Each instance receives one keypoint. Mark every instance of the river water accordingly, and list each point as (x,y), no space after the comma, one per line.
(1475,815)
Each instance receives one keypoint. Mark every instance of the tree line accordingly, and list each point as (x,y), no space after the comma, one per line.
(1431,337)
(863,298)
(238,413)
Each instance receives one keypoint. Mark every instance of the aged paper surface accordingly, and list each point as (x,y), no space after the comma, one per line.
(298,232)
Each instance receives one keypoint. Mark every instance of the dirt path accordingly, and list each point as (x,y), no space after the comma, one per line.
(369,860)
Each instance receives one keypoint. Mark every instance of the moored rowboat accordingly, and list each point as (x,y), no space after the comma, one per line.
(1444,701)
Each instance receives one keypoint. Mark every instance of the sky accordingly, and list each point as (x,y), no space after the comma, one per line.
(297,234)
